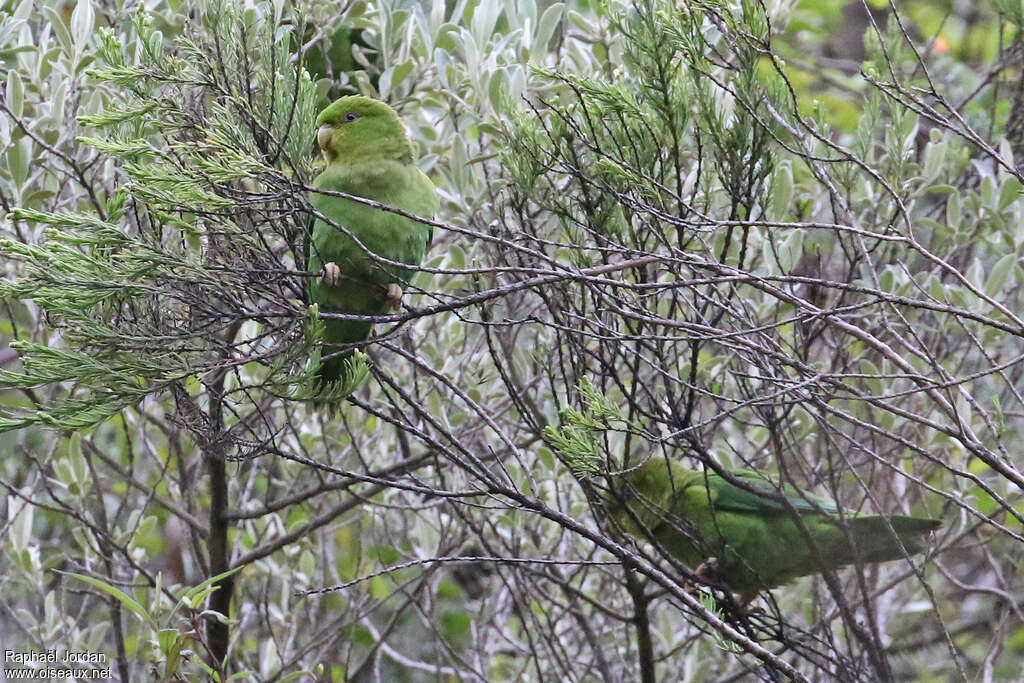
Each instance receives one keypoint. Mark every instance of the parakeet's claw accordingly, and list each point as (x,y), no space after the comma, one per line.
(705,570)
(746,599)
(330,275)
(394,296)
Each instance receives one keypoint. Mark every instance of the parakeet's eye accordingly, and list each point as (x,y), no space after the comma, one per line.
(351,116)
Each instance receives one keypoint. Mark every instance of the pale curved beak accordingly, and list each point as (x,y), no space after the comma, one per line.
(323,136)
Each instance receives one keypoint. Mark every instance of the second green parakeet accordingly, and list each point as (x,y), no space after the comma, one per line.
(754,539)
(368,154)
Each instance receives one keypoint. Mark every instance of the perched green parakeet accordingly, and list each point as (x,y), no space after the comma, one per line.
(368,154)
(754,539)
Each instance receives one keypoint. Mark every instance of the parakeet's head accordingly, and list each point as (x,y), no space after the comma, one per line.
(357,127)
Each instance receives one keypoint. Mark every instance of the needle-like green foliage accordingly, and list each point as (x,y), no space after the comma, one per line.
(182,272)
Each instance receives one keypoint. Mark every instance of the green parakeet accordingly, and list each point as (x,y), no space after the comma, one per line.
(753,539)
(368,154)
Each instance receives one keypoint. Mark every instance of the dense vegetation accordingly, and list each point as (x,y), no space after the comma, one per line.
(771,235)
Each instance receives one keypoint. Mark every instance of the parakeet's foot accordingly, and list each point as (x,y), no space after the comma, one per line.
(705,570)
(746,599)
(330,275)
(394,296)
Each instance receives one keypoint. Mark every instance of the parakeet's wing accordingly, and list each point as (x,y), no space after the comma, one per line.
(429,204)
(728,496)
(762,565)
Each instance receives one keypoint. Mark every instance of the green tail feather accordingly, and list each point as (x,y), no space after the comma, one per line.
(341,368)
(875,542)
(333,369)
(339,376)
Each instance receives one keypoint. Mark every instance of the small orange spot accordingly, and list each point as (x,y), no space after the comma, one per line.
(941,46)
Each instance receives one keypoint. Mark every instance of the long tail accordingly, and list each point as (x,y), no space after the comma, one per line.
(342,372)
(875,542)
(334,369)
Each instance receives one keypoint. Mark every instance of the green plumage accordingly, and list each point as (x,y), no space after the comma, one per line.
(369,155)
(755,540)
